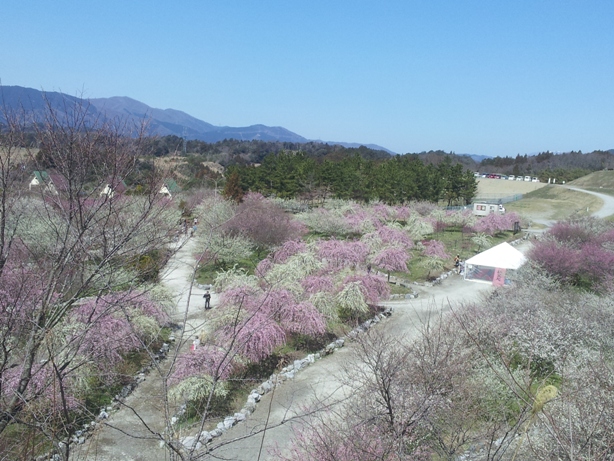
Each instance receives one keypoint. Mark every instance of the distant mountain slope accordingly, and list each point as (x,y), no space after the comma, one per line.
(162,122)
(34,102)
(357,145)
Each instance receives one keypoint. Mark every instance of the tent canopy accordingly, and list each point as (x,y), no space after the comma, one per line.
(503,255)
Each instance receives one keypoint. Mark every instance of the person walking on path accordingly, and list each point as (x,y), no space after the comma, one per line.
(207,297)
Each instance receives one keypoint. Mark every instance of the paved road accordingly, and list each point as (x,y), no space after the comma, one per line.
(608,202)
(606,209)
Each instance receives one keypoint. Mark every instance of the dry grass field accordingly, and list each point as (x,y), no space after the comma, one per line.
(23,155)
(504,188)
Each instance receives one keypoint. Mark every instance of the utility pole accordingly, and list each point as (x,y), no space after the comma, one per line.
(185,142)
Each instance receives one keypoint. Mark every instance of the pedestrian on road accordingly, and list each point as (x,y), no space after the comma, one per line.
(207,297)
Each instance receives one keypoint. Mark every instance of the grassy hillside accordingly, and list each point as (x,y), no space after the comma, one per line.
(554,203)
(599,181)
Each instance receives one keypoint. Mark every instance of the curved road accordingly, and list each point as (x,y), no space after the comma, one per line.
(608,202)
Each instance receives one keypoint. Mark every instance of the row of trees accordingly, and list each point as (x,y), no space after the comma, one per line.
(563,166)
(397,180)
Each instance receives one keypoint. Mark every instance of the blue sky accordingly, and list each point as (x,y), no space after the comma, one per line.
(481,77)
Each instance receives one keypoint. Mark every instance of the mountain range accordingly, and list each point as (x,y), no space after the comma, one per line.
(162,122)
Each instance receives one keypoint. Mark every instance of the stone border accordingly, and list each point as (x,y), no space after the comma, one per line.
(199,441)
(80,436)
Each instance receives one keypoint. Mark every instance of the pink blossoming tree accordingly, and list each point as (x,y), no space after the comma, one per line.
(392,259)
(340,253)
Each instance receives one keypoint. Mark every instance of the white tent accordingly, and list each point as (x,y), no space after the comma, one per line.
(491,265)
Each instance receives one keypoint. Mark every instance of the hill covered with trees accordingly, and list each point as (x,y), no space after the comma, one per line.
(564,166)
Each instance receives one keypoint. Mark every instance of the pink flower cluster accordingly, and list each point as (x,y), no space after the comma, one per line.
(578,254)
(496,223)
(343,253)
(436,249)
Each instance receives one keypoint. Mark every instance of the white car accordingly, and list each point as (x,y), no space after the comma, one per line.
(518,178)
(511,177)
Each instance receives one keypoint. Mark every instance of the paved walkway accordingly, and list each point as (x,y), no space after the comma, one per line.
(320,382)
(130,434)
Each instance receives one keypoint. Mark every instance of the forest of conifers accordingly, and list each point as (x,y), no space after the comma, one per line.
(399,179)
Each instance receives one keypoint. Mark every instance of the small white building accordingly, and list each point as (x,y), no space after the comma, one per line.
(484,209)
(40,177)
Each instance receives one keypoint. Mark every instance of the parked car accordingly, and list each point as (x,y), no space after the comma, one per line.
(527,178)
(534,179)
(518,178)
(511,177)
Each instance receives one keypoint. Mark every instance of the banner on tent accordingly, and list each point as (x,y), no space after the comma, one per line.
(499,278)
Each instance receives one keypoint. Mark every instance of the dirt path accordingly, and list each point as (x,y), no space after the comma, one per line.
(129,434)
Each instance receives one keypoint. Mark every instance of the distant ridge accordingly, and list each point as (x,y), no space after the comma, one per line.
(162,122)
(476,158)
